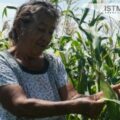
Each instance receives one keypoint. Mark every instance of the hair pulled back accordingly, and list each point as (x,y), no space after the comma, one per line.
(24,14)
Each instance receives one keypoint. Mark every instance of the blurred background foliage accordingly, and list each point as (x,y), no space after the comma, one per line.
(89,46)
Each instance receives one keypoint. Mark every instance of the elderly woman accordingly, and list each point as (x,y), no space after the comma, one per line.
(33,84)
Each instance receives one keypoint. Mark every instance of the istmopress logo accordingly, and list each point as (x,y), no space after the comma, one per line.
(112,9)
(105,8)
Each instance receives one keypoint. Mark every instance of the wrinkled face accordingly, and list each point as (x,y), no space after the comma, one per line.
(37,33)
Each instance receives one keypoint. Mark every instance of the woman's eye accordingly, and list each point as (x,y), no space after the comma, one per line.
(26,21)
(51,32)
(41,29)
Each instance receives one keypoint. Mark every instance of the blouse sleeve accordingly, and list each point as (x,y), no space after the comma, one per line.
(62,78)
(7,76)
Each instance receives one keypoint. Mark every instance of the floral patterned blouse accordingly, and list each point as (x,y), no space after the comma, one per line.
(40,85)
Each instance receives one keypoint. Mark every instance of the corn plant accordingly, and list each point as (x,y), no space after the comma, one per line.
(4,42)
(92,51)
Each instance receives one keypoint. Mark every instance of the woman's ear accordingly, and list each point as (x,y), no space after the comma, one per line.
(18,25)
(18,30)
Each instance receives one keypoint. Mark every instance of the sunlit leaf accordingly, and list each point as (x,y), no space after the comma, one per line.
(84,15)
(107,90)
(4,13)
(94,1)
(11,7)
(109,60)
(62,55)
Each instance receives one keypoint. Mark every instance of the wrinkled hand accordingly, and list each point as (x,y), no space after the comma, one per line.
(100,95)
(89,107)
(96,96)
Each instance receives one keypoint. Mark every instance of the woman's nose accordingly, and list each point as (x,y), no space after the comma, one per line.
(46,38)
(47,35)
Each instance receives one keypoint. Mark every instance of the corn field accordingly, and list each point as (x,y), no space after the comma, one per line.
(89,46)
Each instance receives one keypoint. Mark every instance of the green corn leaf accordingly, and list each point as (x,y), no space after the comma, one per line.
(90,61)
(83,83)
(62,55)
(98,50)
(54,1)
(80,39)
(11,7)
(111,40)
(106,27)
(116,50)
(84,15)
(71,14)
(100,27)
(96,19)
(4,13)
(94,1)
(118,39)
(0,34)
(109,61)
(113,101)
(112,110)
(107,90)
(88,34)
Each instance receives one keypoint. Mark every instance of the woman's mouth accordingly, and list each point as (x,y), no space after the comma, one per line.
(42,45)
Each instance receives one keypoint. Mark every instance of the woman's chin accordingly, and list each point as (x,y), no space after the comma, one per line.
(38,51)
(35,53)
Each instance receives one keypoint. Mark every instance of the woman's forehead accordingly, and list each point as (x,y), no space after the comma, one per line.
(45,21)
(40,15)
(44,17)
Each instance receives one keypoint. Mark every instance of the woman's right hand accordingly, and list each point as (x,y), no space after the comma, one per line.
(89,107)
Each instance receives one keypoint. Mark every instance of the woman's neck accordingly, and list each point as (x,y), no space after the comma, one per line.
(34,62)
(17,53)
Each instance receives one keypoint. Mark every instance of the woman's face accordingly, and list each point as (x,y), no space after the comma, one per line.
(37,34)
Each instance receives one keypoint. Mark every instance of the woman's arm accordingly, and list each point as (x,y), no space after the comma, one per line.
(15,101)
(67,92)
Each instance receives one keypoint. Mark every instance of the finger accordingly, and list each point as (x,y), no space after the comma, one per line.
(115,87)
(101,100)
(99,95)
